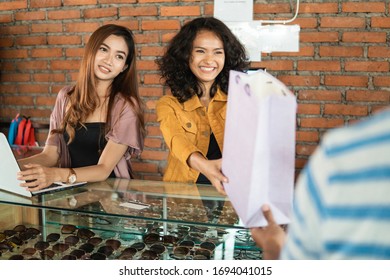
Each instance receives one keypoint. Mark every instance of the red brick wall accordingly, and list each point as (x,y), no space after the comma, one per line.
(339,75)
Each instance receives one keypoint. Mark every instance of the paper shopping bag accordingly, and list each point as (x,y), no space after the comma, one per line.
(259,147)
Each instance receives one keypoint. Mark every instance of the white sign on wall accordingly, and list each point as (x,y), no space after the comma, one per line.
(248,32)
(256,37)
(233,10)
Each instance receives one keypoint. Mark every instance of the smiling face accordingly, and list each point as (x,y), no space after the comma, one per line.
(110,59)
(207,57)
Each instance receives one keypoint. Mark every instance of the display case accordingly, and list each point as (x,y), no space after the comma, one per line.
(124,219)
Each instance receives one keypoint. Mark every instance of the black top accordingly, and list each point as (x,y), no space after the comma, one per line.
(213,153)
(87,146)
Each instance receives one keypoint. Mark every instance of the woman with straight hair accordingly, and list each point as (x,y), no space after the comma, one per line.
(97,125)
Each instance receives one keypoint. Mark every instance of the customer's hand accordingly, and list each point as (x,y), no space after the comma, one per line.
(269,238)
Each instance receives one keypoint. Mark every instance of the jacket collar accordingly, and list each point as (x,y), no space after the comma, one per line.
(193,103)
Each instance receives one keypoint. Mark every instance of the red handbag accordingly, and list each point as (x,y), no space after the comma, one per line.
(25,135)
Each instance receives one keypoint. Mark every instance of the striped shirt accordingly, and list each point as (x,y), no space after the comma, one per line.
(342,198)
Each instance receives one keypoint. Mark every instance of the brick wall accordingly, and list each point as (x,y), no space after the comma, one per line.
(339,75)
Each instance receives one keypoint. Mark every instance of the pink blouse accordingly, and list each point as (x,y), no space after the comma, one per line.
(124,130)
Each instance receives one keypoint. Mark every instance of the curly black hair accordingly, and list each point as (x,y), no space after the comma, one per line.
(174,64)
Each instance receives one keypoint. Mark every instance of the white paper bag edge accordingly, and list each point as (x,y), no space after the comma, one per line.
(255,217)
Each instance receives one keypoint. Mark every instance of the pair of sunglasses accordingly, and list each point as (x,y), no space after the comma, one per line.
(41,245)
(15,241)
(149,255)
(113,243)
(82,233)
(47,254)
(30,251)
(53,237)
(106,250)
(151,238)
(72,240)
(18,230)
(243,254)
(98,256)
(69,257)
(77,253)
(185,253)
(68,229)
(153,253)
(30,233)
(244,238)
(210,246)
(110,246)
(158,248)
(85,233)
(139,246)
(127,253)
(87,247)
(60,247)
(187,250)
(96,240)
(16,257)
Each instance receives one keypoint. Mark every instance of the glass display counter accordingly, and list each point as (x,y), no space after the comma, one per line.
(124,219)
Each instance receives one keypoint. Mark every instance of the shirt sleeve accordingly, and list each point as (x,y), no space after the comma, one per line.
(56,119)
(174,134)
(125,127)
(305,232)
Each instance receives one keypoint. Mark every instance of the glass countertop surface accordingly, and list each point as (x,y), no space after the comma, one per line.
(139,199)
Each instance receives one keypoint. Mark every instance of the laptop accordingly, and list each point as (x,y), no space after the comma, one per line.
(9,168)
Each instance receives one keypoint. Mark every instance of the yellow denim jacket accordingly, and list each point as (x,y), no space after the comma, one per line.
(186,128)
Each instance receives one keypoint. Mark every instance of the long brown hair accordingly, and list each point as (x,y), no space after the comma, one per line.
(83,97)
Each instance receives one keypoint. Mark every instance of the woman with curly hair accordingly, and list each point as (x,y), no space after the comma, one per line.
(196,68)
(98,123)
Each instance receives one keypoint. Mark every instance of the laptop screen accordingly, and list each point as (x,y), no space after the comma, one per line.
(9,168)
